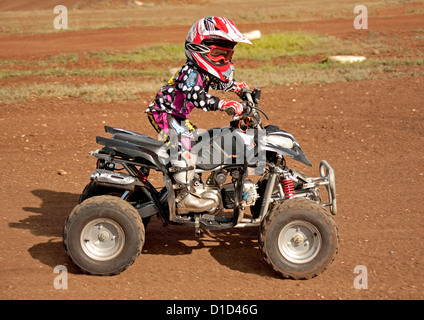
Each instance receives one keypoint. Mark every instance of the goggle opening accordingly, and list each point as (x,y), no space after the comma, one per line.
(217,54)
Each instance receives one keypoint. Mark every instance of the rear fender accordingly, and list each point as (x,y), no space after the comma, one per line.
(132,150)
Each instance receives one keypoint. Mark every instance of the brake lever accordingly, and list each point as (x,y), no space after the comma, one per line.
(261,111)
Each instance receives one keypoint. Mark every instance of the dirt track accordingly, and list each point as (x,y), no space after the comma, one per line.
(371,132)
(31,45)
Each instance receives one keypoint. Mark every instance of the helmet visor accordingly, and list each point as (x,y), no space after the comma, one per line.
(217,54)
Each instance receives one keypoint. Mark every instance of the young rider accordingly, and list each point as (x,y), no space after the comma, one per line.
(209,48)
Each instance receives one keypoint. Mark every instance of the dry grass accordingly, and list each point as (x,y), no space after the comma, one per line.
(116,77)
(89,15)
(113,91)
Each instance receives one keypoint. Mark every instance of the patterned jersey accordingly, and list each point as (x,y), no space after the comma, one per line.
(188,89)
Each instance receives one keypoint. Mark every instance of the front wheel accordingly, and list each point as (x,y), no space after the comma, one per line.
(103,235)
(299,239)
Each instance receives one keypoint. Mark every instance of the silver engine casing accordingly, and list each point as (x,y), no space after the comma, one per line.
(249,196)
(213,193)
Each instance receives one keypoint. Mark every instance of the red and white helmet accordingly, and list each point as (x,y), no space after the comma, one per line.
(210,44)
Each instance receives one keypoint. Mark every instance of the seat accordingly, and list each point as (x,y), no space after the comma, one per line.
(140,140)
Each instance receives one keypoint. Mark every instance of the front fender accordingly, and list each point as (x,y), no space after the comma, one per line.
(289,148)
(295,152)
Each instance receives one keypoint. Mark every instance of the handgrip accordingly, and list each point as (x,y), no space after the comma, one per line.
(230,111)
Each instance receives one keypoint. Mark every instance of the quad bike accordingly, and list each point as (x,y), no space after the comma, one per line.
(298,236)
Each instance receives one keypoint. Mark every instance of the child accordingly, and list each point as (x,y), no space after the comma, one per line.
(209,49)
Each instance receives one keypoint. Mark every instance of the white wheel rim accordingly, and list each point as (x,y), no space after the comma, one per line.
(102,239)
(299,241)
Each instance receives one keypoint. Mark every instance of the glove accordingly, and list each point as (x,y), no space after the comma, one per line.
(239,86)
(232,107)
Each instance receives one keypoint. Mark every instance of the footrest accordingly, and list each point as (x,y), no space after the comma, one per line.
(212,222)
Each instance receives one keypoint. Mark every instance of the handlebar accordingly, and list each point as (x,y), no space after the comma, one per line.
(250,106)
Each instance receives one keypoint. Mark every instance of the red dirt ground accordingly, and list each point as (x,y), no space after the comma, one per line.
(31,45)
(371,132)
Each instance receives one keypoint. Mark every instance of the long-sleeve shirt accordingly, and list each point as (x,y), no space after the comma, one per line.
(188,89)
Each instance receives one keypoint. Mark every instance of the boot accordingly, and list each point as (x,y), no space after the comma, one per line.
(187,201)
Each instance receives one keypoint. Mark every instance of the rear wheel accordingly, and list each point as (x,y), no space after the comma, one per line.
(299,239)
(103,235)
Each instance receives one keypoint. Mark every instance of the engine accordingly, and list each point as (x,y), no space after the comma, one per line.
(249,196)
(223,194)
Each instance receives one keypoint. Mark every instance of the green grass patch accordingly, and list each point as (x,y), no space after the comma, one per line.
(169,52)
(268,75)
(64,72)
(114,91)
(62,58)
(328,72)
(282,44)
(268,47)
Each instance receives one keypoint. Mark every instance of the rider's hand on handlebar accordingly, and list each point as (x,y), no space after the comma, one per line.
(247,107)
(240,87)
(231,107)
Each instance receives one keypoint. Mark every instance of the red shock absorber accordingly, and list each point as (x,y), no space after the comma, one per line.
(288,187)
(141,176)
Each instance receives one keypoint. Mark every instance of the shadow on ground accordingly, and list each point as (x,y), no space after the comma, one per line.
(237,249)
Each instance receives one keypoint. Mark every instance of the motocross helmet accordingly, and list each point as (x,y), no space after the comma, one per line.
(210,43)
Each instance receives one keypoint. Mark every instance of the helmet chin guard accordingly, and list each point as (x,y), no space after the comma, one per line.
(229,74)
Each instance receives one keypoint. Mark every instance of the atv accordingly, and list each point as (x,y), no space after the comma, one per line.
(298,236)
